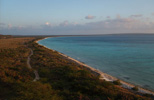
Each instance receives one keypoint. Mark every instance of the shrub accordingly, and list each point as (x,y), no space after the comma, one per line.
(117,82)
(135,88)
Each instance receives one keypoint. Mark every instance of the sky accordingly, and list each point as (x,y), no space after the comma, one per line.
(76,17)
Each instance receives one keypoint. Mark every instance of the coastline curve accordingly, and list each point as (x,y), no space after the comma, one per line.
(103,76)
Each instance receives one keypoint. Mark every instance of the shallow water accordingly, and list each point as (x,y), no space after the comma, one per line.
(127,57)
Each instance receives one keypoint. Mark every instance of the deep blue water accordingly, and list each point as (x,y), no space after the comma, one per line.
(127,57)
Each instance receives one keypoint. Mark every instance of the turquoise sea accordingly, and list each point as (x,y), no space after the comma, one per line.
(127,57)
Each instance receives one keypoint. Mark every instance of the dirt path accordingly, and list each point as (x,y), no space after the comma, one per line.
(36,75)
(28,59)
(29,66)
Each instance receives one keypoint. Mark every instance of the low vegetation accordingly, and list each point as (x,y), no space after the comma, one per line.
(117,82)
(135,88)
(12,43)
(60,79)
(5,36)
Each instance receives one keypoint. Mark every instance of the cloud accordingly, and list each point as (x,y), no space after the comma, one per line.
(89,17)
(20,27)
(65,23)
(9,26)
(118,16)
(47,23)
(116,25)
(108,17)
(2,24)
(138,15)
(153,13)
(122,25)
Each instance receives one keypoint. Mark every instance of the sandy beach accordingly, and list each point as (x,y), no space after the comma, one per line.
(103,76)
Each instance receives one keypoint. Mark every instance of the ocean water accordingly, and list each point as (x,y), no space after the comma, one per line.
(127,57)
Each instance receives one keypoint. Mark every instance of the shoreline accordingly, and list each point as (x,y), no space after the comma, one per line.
(103,76)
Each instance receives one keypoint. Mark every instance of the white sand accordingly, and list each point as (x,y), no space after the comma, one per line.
(103,76)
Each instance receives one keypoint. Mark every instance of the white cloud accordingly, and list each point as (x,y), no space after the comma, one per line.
(118,16)
(75,23)
(20,27)
(89,17)
(138,15)
(47,23)
(116,25)
(65,23)
(1,24)
(108,17)
(9,26)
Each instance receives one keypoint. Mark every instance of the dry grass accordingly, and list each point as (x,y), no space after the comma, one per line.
(13,42)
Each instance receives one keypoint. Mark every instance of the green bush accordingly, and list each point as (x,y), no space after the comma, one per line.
(135,88)
(117,82)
